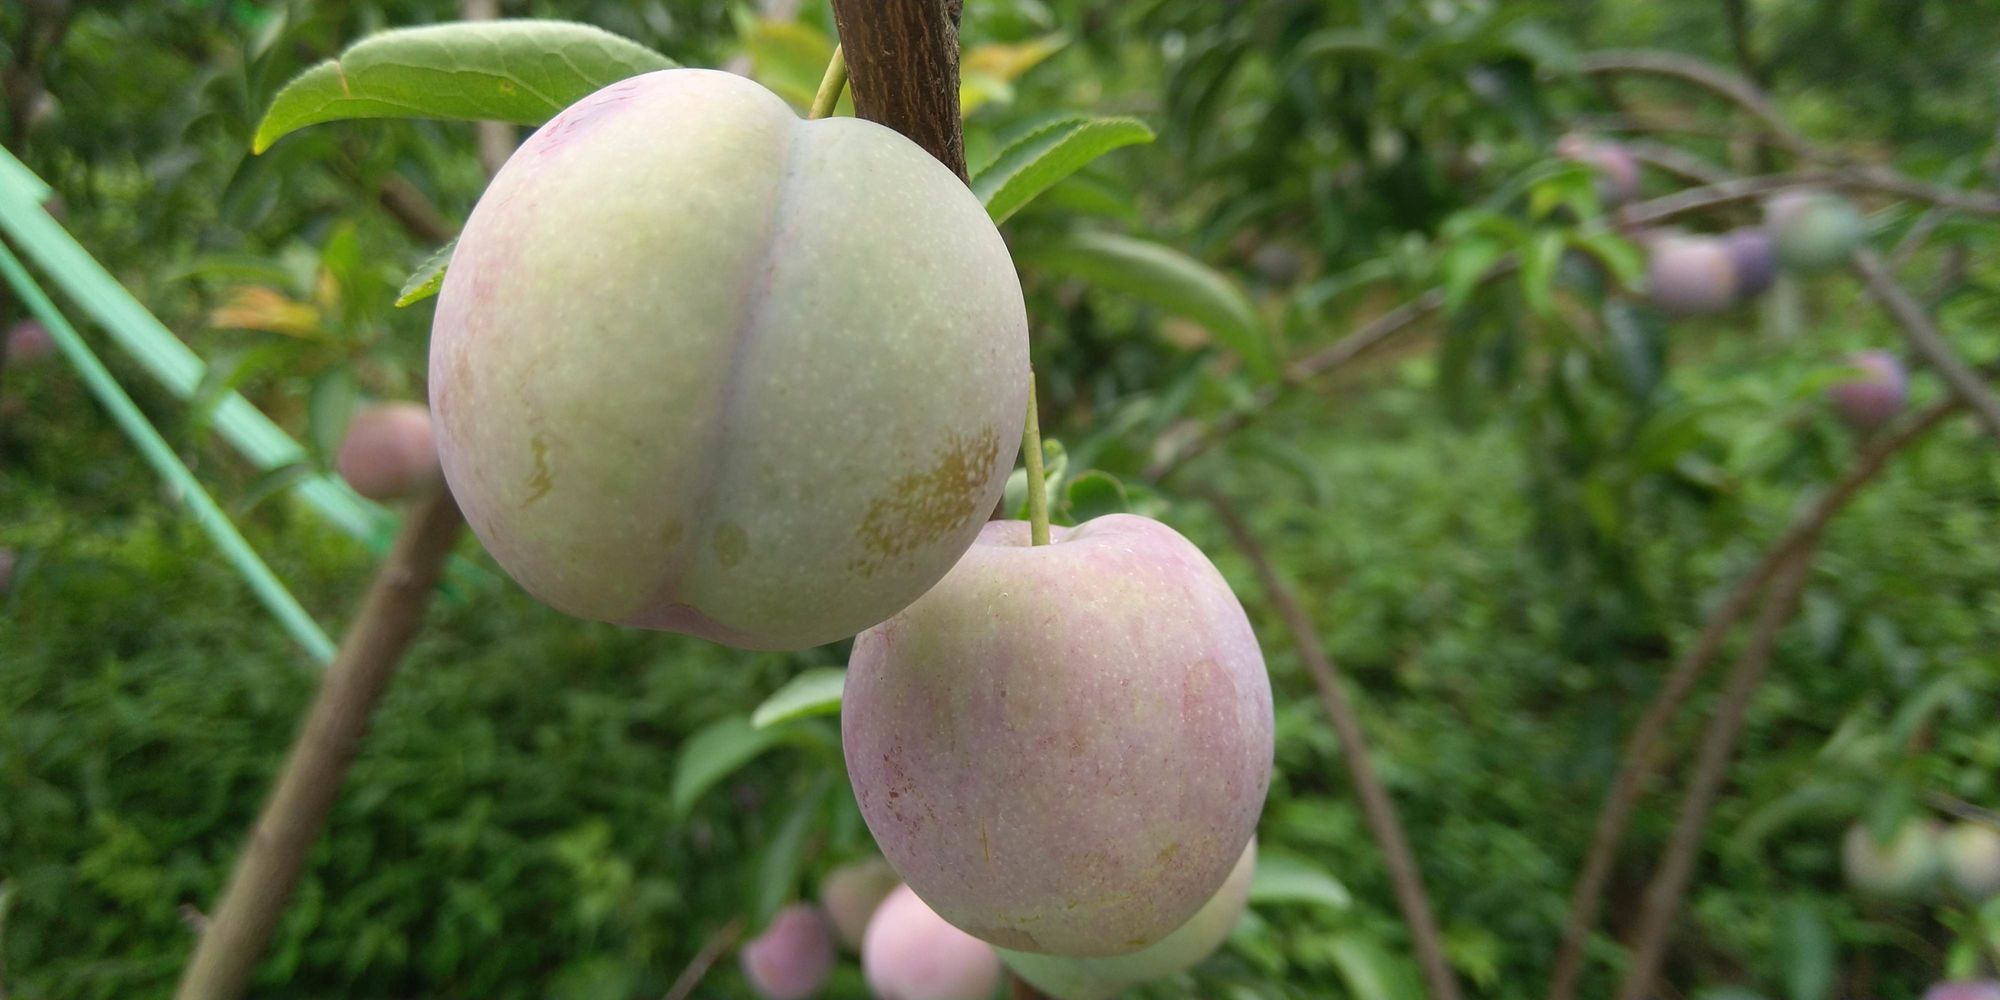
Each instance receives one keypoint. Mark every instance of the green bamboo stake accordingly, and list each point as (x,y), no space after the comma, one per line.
(160,455)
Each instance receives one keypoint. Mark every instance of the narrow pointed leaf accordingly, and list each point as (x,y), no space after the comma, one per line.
(1042,158)
(1171,280)
(425,281)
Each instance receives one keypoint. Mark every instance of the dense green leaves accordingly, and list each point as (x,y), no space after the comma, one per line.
(1050,153)
(1171,280)
(513,71)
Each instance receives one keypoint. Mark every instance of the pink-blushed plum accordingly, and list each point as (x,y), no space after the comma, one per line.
(1690,275)
(388,453)
(911,953)
(850,893)
(1753,262)
(700,365)
(1983,989)
(1874,395)
(1064,977)
(1064,748)
(1904,868)
(1972,860)
(1617,170)
(1813,230)
(791,959)
(29,342)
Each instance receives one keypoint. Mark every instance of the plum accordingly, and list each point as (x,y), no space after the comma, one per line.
(1064,977)
(850,894)
(702,366)
(1813,230)
(1983,989)
(388,453)
(29,342)
(791,959)
(911,953)
(1753,262)
(1906,867)
(1972,860)
(1064,748)
(1690,275)
(1617,170)
(1876,393)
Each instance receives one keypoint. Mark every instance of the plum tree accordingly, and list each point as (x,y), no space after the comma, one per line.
(1905,867)
(699,365)
(388,453)
(791,959)
(1813,230)
(29,342)
(1876,393)
(1971,853)
(850,894)
(1617,170)
(1063,748)
(1753,262)
(1690,275)
(1065,977)
(911,953)
(1982,989)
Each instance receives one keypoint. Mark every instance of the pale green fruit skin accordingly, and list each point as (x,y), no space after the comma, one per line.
(1814,230)
(1904,868)
(1064,748)
(850,893)
(1972,860)
(700,365)
(1067,978)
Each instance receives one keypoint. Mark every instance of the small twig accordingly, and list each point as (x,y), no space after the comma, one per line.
(496,139)
(1376,806)
(831,86)
(414,211)
(1927,340)
(1680,163)
(1669,886)
(1962,809)
(1738,14)
(1636,764)
(282,839)
(1743,93)
(698,966)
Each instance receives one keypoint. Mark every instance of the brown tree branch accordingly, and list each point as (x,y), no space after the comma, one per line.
(496,139)
(1927,340)
(1376,806)
(1663,896)
(1636,765)
(1678,162)
(1738,14)
(413,211)
(268,869)
(902,66)
(698,966)
(1678,67)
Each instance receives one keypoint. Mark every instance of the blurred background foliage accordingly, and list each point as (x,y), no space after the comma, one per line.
(1504,523)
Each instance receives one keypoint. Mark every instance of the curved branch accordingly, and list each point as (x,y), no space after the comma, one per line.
(1678,67)
(1927,340)
(1635,766)
(1376,805)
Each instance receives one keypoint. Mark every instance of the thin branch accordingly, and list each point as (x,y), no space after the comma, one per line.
(1678,67)
(268,869)
(1376,806)
(1738,14)
(1927,340)
(1678,162)
(1669,886)
(902,66)
(496,139)
(698,966)
(413,211)
(1635,766)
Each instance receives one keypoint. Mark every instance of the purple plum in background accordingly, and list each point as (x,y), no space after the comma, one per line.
(388,453)
(1753,262)
(29,342)
(1874,395)
(1984,989)
(1690,275)
(791,959)
(911,953)
(1064,748)
(1617,170)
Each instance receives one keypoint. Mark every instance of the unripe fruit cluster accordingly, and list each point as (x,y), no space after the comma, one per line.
(1921,854)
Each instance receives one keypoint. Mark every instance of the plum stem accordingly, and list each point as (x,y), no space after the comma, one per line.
(830,86)
(1031,452)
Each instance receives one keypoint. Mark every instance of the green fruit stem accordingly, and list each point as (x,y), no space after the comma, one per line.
(830,85)
(1031,452)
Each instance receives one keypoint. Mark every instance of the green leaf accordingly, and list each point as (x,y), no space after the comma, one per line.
(521,71)
(1617,254)
(270,484)
(784,859)
(1538,271)
(814,692)
(1037,161)
(715,753)
(1465,266)
(1805,950)
(1283,878)
(1094,493)
(1370,972)
(425,281)
(1171,280)
(334,398)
